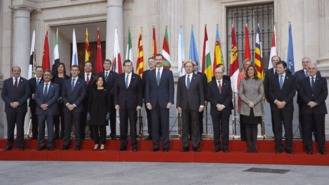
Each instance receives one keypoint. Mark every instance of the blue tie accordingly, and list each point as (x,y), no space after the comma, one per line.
(158,77)
(126,81)
(188,82)
(72,83)
(45,89)
(281,81)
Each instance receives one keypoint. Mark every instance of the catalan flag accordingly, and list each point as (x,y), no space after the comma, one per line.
(87,49)
(258,56)
(218,54)
(206,59)
(140,56)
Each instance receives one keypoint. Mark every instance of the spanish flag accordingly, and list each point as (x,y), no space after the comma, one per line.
(140,56)
(218,54)
(87,49)
(258,56)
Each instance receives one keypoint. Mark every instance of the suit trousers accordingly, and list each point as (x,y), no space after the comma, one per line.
(44,119)
(220,120)
(15,117)
(190,127)
(72,118)
(160,126)
(128,115)
(282,117)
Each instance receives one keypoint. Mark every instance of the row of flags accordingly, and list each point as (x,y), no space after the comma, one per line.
(206,66)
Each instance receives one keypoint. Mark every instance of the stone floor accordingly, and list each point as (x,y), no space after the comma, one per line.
(95,173)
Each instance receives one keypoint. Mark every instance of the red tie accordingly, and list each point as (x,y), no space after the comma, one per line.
(88,78)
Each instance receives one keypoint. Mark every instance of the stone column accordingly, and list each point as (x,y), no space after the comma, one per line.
(21,38)
(114,21)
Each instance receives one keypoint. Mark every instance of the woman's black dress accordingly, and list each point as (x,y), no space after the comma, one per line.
(97,104)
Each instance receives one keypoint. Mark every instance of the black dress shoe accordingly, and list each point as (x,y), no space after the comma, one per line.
(149,137)
(65,147)
(321,151)
(278,150)
(41,147)
(78,147)
(288,150)
(309,152)
(226,150)
(155,148)
(217,148)
(165,149)
(196,149)
(20,148)
(134,148)
(8,147)
(186,149)
(123,147)
(50,148)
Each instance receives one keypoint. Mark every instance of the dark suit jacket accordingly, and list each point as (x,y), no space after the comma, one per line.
(33,88)
(162,93)
(268,79)
(131,97)
(76,95)
(110,81)
(225,97)
(89,86)
(193,97)
(204,83)
(144,77)
(50,99)
(10,94)
(318,94)
(287,92)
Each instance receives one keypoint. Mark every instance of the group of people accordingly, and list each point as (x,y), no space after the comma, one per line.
(88,100)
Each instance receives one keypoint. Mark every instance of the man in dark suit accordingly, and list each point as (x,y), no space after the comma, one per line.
(148,112)
(313,92)
(190,102)
(33,83)
(268,79)
(299,76)
(15,93)
(281,94)
(204,84)
(46,97)
(74,91)
(159,96)
(88,77)
(220,97)
(110,80)
(128,100)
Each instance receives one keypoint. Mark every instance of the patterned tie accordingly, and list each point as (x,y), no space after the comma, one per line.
(106,74)
(312,82)
(45,89)
(158,77)
(220,87)
(73,83)
(281,81)
(188,82)
(16,82)
(126,80)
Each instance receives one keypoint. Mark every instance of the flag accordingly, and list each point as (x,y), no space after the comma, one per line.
(74,59)
(99,56)
(30,72)
(234,63)
(273,49)
(45,57)
(218,55)
(140,56)
(180,53)
(258,55)
(129,50)
(56,52)
(87,48)
(193,52)
(154,43)
(206,59)
(247,56)
(116,53)
(165,47)
(290,55)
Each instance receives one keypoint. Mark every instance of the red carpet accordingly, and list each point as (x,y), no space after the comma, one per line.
(237,154)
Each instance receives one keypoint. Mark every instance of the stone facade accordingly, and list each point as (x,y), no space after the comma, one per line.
(310,19)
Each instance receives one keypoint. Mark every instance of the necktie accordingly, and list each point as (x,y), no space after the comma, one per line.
(38,81)
(73,83)
(126,80)
(281,81)
(45,89)
(158,77)
(88,78)
(188,82)
(312,82)
(219,86)
(106,74)
(16,82)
